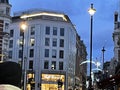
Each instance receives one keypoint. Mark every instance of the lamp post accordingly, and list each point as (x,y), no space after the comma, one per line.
(91,12)
(23,28)
(103,50)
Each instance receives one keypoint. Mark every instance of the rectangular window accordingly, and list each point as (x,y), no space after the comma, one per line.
(31,64)
(10,43)
(54,30)
(61,31)
(61,54)
(61,42)
(54,53)
(32,31)
(11,33)
(46,52)
(47,41)
(32,41)
(60,65)
(47,30)
(7,11)
(6,25)
(20,42)
(46,65)
(31,54)
(54,43)
(53,65)
(20,54)
(10,54)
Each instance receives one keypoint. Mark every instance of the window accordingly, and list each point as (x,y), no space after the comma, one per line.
(118,54)
(7,11)
(61,42)
(31,54)
(46,52)
(1,12)
(46,65)
(47,31)
(6,25)
(61,54)
(20,54)
(53,65)
(31,64)
(54,53)
(11,33)
(10,43)
(10,54)
(54,30)
(32,31)
(61,31)
(20,42)
(54,43)
(32,41)
(4,1)
(47,41)
(60,65)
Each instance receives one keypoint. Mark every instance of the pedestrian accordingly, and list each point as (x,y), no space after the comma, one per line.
(10,76)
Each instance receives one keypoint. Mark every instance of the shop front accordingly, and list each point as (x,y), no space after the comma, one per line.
(52,82)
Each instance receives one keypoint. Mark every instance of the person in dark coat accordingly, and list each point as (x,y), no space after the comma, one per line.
(10,75)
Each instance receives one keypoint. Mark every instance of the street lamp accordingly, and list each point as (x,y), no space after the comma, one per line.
(91,12)
(103,50)
(23,27)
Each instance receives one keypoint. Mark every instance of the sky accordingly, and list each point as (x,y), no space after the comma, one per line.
(77,10)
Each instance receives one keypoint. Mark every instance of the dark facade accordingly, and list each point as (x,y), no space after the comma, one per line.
(81,70)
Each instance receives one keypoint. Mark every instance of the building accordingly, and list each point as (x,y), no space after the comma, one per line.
(5,20)
(49,53)
(80,70)
(113,67)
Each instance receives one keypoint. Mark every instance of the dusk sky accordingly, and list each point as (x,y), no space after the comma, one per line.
(77,10)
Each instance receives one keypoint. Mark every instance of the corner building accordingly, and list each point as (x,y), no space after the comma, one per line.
(49,49)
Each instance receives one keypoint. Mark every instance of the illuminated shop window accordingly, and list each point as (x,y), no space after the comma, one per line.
(53,65)
(32,41)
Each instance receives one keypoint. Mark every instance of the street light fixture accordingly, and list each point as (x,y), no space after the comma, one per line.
(23,27)
(91,12)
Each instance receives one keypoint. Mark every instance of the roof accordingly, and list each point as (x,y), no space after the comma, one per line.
(43,14)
